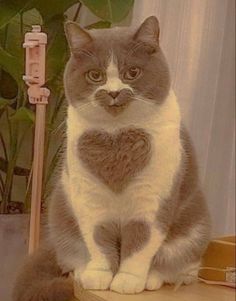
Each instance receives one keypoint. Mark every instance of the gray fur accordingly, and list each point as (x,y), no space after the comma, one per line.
(134,237)
(183,213)
(129,49)
(108,237)
(41,279)
(115,159)
(63,225)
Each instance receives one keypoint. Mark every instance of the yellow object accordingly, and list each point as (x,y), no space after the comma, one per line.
(218,264)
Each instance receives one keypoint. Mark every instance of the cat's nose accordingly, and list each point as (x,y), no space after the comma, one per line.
(114,94)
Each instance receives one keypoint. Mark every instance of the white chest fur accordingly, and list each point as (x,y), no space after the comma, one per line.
(89,196)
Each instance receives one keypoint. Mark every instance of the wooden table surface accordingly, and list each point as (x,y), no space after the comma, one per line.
(194,292)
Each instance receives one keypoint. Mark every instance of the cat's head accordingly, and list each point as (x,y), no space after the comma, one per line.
(114,68)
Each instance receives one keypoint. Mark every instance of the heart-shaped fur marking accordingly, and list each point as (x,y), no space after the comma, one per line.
(115,158)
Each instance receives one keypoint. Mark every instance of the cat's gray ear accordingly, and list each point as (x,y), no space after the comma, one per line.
(148,32)
(77,37)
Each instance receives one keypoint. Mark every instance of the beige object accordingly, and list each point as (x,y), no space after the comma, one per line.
(194,292)
(35,45)
(218,263)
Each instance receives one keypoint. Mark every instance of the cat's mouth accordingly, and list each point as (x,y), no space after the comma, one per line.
(114,105)
(115,109)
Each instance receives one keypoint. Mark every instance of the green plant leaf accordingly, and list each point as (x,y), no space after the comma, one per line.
(109,10)
(99,24)
(8,85)
(56,49)
(23,115)
(10,8)
(10,64)
(5,102)
(12,57)
(15,32)
(49,9)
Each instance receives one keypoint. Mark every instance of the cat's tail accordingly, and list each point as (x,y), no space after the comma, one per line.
(41,280)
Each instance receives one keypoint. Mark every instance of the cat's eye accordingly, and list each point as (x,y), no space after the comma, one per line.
(95,75)
(132,73)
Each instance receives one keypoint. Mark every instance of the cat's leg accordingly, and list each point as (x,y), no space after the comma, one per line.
(97,273)
(140,241)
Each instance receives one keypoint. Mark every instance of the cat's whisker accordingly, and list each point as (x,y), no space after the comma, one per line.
(145,101)
(84,106)
(94,103)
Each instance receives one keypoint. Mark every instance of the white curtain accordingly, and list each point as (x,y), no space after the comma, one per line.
(198,38)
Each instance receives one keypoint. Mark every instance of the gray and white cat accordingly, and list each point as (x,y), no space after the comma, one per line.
(127,213)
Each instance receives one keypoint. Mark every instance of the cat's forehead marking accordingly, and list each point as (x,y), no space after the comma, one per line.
(112,68)
(113,82)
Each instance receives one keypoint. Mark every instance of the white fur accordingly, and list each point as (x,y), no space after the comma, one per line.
(113,82)
(154,280)
(94,203)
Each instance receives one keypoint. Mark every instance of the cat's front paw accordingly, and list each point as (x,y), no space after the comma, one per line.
(125,283)
(96,279)
(154,281)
